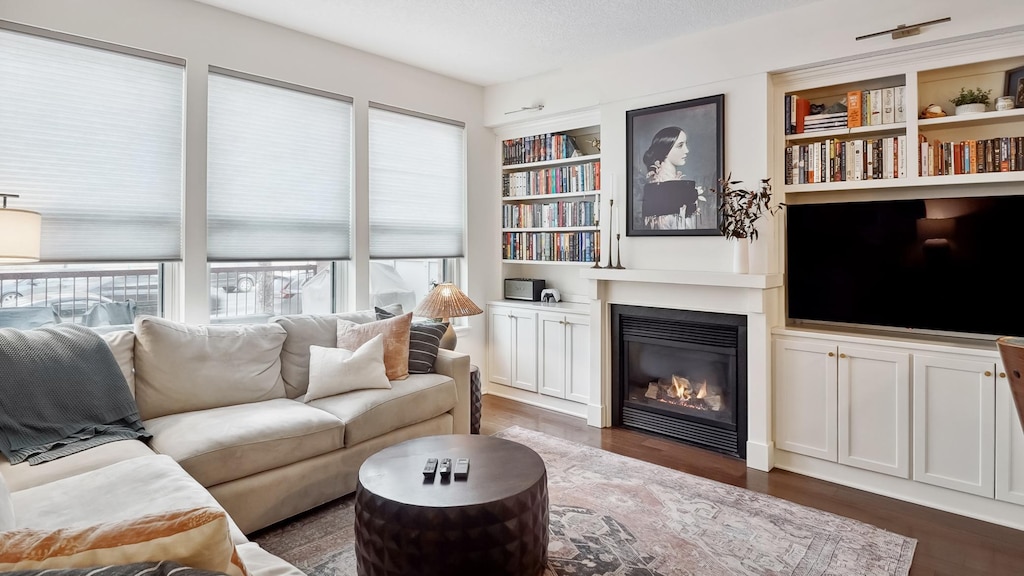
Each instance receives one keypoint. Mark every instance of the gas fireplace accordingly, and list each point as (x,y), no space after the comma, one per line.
(681,374)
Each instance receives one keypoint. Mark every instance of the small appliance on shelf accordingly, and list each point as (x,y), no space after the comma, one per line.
(524,289)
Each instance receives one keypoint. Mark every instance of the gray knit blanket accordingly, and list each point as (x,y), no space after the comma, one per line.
(61,392)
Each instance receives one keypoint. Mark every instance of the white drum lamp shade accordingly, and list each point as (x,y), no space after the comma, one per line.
(19,234)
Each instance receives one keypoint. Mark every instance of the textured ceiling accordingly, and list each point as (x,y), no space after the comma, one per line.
(493,41)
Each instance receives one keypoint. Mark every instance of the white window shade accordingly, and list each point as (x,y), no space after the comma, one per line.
(279,172)
(92,139)
(417,186)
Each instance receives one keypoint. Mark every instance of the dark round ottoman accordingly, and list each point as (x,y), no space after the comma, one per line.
(494,522)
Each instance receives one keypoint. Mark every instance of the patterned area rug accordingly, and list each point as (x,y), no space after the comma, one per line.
(613,515)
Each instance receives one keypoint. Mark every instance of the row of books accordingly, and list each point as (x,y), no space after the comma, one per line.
(971,156)
(552,246)
(833,160)
(558,180)
(549,215)
(863,108)
(539,148)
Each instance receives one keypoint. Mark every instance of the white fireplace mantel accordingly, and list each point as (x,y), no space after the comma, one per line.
(690,277)
(757,296)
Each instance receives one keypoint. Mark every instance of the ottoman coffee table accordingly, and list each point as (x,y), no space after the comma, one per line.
(493,522)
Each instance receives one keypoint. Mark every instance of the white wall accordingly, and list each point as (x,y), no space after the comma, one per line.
(204,36)
(736,61)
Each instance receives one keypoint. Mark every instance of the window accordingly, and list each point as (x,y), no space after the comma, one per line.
(253,291)
(417,185)
(91,136)
(279,180)
(407,281)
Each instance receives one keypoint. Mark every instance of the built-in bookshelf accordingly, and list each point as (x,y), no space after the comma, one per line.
(550,194)
(885,141)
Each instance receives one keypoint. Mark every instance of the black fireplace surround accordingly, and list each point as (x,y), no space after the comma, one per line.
(681,374)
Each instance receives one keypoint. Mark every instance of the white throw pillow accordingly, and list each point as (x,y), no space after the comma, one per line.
(337,370)
(6,507)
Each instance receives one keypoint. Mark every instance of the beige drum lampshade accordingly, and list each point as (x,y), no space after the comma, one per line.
(19,234)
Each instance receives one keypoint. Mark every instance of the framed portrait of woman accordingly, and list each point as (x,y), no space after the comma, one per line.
(674,159)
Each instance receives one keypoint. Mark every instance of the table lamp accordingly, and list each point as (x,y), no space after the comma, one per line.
(446,301)
(19,234)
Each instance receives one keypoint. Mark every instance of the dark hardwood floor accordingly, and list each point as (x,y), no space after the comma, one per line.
(947,544)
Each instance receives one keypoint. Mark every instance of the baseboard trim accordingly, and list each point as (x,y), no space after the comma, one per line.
(553,404)
(960,503)
(760,456)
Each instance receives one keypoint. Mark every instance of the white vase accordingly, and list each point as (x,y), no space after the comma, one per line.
(740,255)
(969,109)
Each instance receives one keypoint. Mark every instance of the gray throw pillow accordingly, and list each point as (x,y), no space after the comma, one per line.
(424,338)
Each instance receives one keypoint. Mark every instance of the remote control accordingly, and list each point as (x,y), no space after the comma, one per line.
(430,468)
(446,467)
(461,469)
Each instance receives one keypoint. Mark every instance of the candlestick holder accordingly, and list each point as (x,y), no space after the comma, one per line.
(618,254)
(611,222)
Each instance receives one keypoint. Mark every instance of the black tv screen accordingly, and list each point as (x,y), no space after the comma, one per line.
(938,265)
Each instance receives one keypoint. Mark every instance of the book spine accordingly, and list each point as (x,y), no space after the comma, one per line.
(789,111)
(876,108)
(853,111)
(901,104)
(888,105)
(803,108)
(902,156)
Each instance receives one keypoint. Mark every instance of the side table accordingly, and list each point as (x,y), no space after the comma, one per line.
(475,401)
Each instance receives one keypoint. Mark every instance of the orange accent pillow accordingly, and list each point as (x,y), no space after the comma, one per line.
(198,538)
(396,341)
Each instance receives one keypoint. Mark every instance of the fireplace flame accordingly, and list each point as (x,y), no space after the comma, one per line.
(703,392)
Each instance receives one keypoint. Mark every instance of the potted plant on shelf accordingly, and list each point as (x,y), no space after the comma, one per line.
(971,101)
(739,211)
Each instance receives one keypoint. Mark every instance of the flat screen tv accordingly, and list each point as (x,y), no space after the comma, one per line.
(939,266)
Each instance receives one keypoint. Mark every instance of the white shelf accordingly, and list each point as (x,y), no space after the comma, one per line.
(985,178)
(896,128)
(995,117)
(548,262)
(560,162)
(553,197)
(554,229)
(854,185)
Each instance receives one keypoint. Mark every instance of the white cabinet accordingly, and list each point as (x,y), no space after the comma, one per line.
(843,404)
(954,432)
(805,398)
(564,355)
(1009,445)
(512,356)
(874,410)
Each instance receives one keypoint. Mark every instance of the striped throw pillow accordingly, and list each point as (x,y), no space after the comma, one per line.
(424,338)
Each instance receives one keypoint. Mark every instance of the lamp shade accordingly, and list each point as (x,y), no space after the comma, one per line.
(446,301)
(19,235)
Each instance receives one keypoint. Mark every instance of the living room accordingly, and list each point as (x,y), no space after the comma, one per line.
(748,60)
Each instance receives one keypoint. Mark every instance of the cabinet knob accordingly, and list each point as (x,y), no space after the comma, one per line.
(831,354)
(841,355)
(510,315)
(988,372)
(1002,374)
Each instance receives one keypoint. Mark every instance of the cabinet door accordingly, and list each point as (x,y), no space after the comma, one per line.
(805,398)
(874,410)
(524,350)
(1009,445)
(954,434)
(499,345)
(551,354)
(577,378)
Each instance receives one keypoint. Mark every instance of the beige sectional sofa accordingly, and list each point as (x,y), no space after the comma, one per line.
(230,428)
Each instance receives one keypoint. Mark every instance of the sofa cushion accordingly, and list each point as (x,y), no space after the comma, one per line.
(424,341)
(371,413)
(123,490)
(223,444)
(396,341)
(23,476)
(337,371)
(305,330)
(122,344)
(196,537)
(181,368)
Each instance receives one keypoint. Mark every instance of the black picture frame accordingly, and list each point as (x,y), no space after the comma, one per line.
(1015,86)
(675,198)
